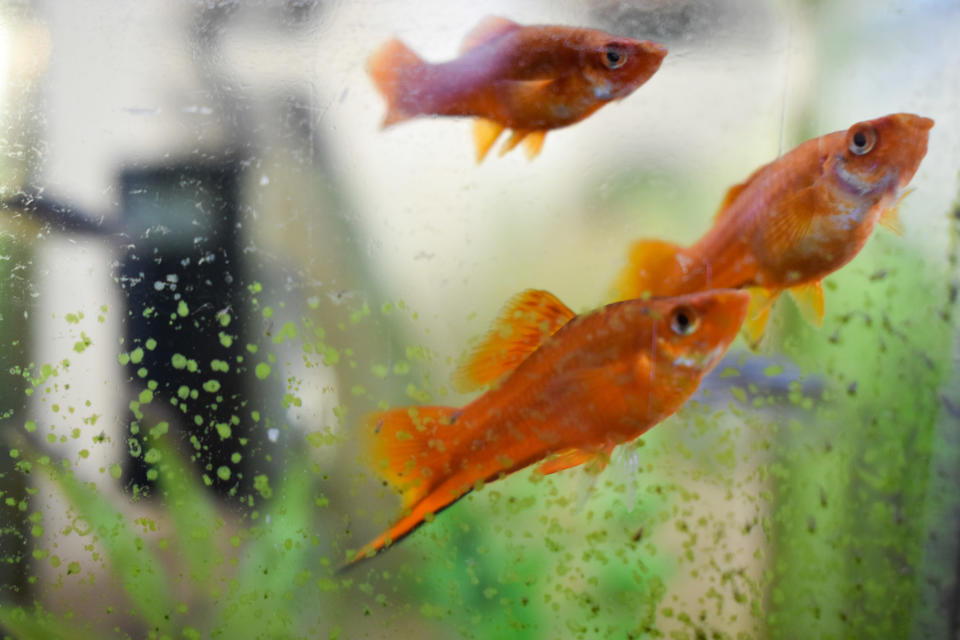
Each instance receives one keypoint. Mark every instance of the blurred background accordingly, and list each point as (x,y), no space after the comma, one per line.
(213,263)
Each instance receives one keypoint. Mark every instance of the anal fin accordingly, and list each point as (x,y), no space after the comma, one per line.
(516,137)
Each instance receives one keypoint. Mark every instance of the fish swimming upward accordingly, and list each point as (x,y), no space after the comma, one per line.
(794,221)
(566,390)
(526,78)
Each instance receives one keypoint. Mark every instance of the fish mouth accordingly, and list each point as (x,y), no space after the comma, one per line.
(654,49)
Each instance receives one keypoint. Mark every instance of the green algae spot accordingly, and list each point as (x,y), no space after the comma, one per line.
(360,314)
(224,430)
(773,370)
(183,392)
(268,312)
(224,319)
(30,426)
(252,348)
(219,365)
(74,318)
(313,302)
(287,331)
(115,471)
(235,458)
(81,345)
(223,472)
(331,356)
(152,456)
(401,368)
(123,358)
(73,567)
(262,370)
(146,396)
(151,344)
(183,309)
(262,485)
(226,339)
(179,361)
(420,395)
(379,370)
(136,356)
(255,287)
(159,429)
(739,394)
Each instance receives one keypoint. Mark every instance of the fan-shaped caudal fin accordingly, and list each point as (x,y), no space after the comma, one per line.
(527,320)
(391,66)
(485,133)
(758,313)
(809,299)
(409,448)
(651,270)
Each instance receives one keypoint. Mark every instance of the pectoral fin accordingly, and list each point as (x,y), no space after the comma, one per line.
(890,218)
(809,299)
(485,133)
(533,143)
(569,458)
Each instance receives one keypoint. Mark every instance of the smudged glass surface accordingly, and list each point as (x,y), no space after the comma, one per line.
(214,263)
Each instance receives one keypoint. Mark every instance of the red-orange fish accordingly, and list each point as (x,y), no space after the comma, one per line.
(794,221)
(526,78)
(566,390)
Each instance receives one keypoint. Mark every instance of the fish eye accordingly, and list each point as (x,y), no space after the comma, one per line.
(684,321)
(614,56)
(862,140)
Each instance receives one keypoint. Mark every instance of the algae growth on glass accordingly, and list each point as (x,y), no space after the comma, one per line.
(274,370)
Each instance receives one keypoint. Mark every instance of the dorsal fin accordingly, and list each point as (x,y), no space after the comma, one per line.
(527,320)
(732,194)
(489,28)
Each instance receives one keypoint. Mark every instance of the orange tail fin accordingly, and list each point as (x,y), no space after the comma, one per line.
(392,67)
(410,447)
(652,269)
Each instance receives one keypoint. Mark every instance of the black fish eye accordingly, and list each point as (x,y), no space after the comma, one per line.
(614,57)
(684,321)
(863,140)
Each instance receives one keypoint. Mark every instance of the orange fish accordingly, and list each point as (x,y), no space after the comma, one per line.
(794,221)
(566,390)
(526,78)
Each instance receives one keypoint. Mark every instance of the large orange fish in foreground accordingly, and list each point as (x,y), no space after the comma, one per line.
(526,78)
(794,221)
(566,390)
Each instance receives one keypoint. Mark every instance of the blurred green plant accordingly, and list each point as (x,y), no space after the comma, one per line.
(190,578)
